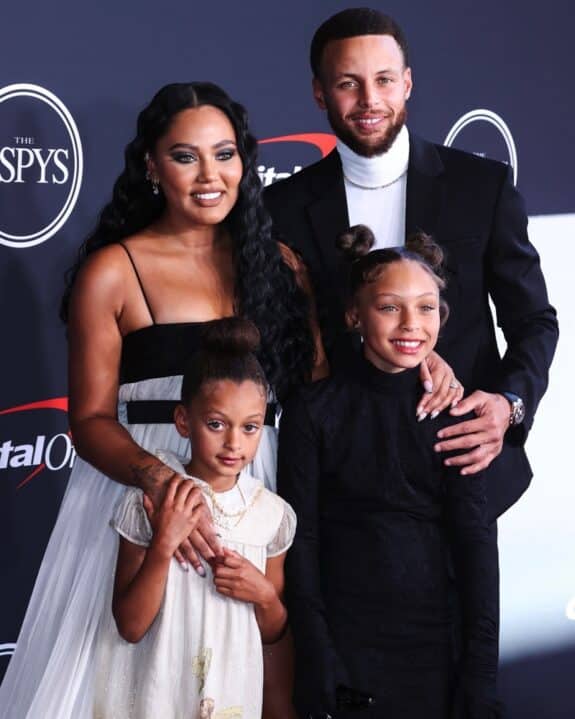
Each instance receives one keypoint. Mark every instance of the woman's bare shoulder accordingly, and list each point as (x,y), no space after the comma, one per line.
(103,276)
(109,264)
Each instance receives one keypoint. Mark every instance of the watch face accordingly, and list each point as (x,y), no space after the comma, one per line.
(517,408)
(518,411)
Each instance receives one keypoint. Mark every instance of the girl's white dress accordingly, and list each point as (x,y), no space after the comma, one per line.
(202,656)
(50,675)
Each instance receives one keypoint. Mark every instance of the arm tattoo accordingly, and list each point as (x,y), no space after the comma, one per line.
(150,475)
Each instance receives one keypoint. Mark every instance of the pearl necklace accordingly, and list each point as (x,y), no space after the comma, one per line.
(222,518)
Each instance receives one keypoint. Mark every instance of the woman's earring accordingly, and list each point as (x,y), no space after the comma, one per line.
(155,184)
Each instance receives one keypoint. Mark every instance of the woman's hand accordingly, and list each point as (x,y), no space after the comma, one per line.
(441,387)
(236,577)
(202,540)
(176,517)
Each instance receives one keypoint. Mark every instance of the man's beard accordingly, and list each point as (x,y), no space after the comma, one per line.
(360,146)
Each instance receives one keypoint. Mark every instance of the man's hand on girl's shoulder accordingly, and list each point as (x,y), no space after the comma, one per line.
(482,436)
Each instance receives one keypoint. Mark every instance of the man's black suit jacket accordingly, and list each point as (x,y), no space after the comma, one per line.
(471,208)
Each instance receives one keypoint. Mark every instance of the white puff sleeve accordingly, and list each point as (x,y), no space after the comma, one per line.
(284,536)
(130,519)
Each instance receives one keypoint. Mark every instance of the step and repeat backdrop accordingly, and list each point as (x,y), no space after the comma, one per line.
(492,78)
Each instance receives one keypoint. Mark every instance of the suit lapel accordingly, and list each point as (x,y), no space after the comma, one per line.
(328,211)
(426,197)
(424,187)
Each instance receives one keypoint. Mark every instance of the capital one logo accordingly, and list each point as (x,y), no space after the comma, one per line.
(27,457)
(41,165)
(321,142)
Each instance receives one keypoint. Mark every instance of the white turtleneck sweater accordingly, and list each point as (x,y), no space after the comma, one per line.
(376,190)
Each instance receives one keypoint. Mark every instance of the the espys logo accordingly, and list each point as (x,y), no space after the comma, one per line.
(491,119)
(41,165)
(40,451)
(320,141)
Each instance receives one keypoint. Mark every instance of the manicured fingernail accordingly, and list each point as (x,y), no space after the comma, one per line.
(434,413)
(454,403)
(428,386)
(184,566)
(436,448)
(201,571)
(421,416)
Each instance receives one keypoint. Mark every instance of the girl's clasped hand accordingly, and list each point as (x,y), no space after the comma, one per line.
(177,516)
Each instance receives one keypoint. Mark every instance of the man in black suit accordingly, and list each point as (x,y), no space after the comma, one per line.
(387,178)
(395,182)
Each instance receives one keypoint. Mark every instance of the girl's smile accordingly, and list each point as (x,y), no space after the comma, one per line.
(398,316)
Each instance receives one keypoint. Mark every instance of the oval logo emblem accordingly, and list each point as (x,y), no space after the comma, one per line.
(41,165)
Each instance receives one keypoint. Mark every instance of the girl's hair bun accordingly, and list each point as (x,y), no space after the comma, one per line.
(365,266)
(231,335)
(227,352)
(356,242)
(423,245)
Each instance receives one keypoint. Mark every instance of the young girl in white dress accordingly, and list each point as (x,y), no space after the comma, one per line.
(177,645)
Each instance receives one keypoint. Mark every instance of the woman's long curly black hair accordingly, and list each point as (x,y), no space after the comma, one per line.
(266,291)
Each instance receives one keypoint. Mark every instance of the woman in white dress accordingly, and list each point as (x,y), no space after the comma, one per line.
(184,240)
(179,645)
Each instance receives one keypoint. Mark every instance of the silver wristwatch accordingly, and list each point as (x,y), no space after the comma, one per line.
(517,414)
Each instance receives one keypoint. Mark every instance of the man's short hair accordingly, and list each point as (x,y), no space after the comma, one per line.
(352,23)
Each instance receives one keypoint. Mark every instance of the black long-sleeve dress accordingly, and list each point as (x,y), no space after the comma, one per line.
(382,526)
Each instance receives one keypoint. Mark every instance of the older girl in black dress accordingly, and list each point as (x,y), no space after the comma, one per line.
(381,520)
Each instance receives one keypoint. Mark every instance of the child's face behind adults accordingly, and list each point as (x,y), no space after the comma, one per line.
(224,423)
(364,85)
(398,316)
(198,167)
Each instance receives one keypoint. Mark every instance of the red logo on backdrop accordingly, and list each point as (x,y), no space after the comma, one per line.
(42,453)
(320,141)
